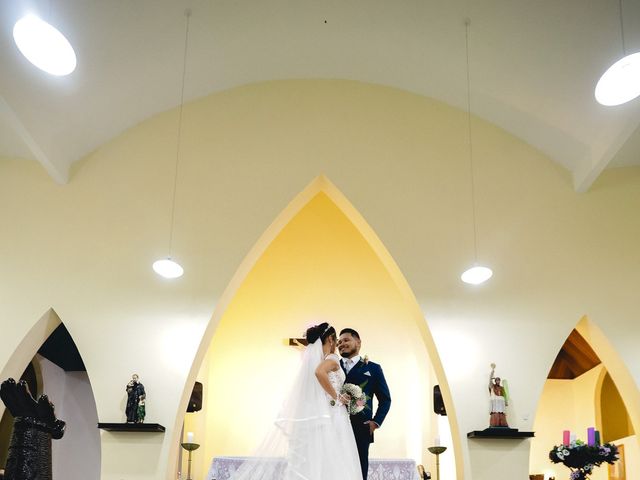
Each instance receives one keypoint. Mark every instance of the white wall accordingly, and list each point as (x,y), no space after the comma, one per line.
(86,248)
(76,456)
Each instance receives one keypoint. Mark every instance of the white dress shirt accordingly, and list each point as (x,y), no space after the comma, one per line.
(352,362)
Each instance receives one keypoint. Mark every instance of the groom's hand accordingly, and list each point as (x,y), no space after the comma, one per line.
(372,426)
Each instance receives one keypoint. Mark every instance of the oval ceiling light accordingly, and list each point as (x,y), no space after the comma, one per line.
(621,82)
(476,275)
(167,268)
(44,46)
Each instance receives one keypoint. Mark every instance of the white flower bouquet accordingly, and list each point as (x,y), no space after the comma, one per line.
(357,398)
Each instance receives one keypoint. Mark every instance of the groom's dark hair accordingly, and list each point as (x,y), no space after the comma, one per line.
(351,332)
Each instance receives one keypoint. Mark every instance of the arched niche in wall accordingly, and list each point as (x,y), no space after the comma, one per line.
(55,367)
(318,261)
(611,414)
(588,386)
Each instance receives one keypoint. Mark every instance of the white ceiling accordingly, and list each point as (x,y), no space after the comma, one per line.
(534,65)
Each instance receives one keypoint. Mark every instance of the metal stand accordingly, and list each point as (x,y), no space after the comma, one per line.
(437,451)
(189,447)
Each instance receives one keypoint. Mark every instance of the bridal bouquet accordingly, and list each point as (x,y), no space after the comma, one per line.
(358,400)
(582,459)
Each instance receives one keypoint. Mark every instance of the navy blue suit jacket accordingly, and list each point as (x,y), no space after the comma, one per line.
(376,385)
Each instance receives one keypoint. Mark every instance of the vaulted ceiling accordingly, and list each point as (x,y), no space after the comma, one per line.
(575,358)
(533,66)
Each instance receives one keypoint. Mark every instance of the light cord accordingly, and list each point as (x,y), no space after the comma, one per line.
(467,23)
(187,14)
(624,48)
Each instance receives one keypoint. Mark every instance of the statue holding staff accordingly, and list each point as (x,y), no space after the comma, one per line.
(499,400)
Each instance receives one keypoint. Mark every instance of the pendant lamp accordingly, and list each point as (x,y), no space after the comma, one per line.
(477,273)
(621,82)
(167,267)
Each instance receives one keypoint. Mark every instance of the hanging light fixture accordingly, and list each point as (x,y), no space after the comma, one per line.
(44,45)
(621,82)
(476,274)
(167,267)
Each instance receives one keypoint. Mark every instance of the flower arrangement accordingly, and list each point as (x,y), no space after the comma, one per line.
(582,458)
(357,398)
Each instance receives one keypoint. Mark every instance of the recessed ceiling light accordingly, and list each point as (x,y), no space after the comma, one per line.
(167,268)
(621,82)
(476,275)
(44,45)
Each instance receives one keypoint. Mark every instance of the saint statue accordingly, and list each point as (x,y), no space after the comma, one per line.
(499,400)
(135,400)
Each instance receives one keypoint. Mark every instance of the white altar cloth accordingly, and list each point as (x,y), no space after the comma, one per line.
(379,468)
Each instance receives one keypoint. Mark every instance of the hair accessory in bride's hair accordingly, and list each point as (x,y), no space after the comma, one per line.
(314,333)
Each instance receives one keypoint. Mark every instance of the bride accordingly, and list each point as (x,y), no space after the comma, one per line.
(311,438)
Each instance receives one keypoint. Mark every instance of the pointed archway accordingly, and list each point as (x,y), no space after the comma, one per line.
(322,192)
(29,346)
(48,359)
(612,416)
(588,386)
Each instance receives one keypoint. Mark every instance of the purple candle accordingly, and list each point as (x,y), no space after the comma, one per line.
(566,437)
(591,436)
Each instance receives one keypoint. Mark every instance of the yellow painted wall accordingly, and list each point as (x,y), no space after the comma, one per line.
(573,405)
(631,456)
(615,420)
(564,405)
(85,248)
(555,414)
(319,268)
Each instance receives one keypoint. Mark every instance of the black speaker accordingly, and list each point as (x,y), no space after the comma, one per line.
(195,402)
(438,403)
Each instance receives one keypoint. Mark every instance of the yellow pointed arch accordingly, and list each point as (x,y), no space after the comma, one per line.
(321,185)
(615,366)
(563,406)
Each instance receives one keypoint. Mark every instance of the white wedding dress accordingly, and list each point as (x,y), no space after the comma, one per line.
(310,439)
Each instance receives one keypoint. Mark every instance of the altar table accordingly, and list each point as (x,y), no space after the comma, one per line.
(379,468)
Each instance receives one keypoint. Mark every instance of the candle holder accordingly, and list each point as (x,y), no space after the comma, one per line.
(437,451)
(189,447)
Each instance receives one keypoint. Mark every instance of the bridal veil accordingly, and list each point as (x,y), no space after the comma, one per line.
(307,439)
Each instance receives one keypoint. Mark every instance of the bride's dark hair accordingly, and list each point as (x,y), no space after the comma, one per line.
(322,332)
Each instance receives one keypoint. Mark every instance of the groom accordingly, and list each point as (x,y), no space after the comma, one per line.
(368,375)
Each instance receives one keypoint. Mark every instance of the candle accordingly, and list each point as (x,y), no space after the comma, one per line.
(566,437)
(189,437)
(591,436)
(572,437)
(436,442)
(597,438)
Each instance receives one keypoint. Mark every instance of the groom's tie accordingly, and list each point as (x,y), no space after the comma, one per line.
(347,364)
